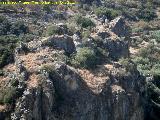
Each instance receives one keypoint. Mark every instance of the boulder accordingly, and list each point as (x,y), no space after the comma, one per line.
(117,48)
(64,42)
(119,27)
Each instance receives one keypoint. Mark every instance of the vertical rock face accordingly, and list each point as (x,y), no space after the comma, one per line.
(117,48)
(119,27)
(36,103)
(66,96)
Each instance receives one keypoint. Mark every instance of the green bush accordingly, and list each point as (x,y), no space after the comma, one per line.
(86,34)
(146,14)
(109,13)
(84,22)
(141,60)
(16,28)
(144,52)
(148,60)
(7,45)
(155,70)
(19,28)
(128,64)
(5,26)
(54,29)
(7,95)
(156,35)
(27,37)
(85,58)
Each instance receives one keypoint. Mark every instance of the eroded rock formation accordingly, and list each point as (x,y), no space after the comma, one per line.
(55,91)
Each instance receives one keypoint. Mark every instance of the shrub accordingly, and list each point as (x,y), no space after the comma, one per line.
(146,14)
(84,22)
(6,58)
(27,37)
(51,30)
(54,29)
(141,60)
(7,95)
(156,35)
(47,9)
(156,70)
(128,64)
(144,52)
(49,68)
(109,13)
(4,25)
(7,45)
(85,58)
(86,34)
(71,28)
(19,28)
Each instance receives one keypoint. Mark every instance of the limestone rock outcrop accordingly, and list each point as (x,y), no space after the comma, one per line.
(65,95)
(56,91)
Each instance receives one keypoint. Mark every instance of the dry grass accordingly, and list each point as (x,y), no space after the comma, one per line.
(32,61)
(9,68)
(95,80)
(33,81)
(2,78)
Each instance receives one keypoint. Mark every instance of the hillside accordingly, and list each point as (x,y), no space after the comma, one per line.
(96,60)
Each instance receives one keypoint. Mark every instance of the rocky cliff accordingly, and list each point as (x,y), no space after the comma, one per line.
(53,90)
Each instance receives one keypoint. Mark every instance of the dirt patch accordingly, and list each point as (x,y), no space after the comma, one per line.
(133,51)
(9,68)
(117,88)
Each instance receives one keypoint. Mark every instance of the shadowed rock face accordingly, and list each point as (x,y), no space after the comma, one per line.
(119,27)
(117,48)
